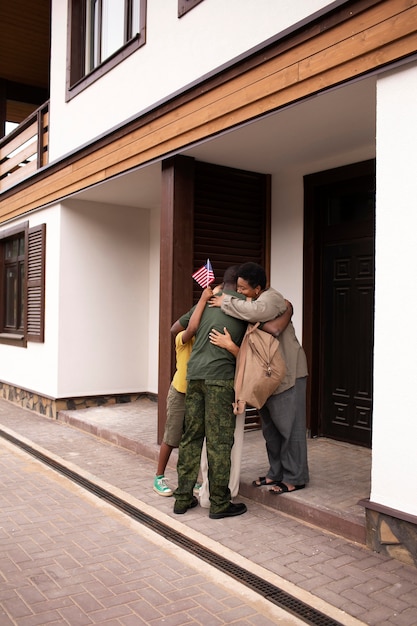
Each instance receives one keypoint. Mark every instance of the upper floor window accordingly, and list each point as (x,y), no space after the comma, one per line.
(22,284)
(101,33)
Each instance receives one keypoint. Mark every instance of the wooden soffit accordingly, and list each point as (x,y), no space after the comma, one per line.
(357,38)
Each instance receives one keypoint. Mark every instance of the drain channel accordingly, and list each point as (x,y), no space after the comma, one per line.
(270,592)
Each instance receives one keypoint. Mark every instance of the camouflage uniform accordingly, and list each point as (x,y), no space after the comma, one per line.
(208,410)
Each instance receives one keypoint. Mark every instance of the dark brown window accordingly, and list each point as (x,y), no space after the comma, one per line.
(22,284)
(101,33)
(14,283)
(186,5)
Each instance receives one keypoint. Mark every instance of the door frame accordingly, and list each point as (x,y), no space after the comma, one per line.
(312,288)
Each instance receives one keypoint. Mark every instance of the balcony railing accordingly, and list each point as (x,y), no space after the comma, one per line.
(25,149)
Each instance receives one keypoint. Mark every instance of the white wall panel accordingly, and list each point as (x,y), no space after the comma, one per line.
(394,458)
(103,300)
(153,328)
(177,52)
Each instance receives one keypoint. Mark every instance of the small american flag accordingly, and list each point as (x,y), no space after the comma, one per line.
(204,276)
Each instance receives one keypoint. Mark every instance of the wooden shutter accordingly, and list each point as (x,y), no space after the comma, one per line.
(231,218)
(35,295)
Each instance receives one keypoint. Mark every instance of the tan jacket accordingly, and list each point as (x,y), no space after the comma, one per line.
(269,305)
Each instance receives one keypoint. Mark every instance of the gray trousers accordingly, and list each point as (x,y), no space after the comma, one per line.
(284,431)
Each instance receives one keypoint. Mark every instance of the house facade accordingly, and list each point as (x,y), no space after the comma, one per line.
(167,133)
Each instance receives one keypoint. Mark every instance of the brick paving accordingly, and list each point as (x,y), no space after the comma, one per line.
(67,558)
(334,489)
(333,573)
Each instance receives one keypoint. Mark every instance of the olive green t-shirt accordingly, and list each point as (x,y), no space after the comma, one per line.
(207,361)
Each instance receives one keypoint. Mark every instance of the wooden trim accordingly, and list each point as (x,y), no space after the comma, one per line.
(26,133)
(358,38)
(12,339)
(75,35)
(18,167)
(386,510)
(186,5)
(176,261)
(35,287)
(24,154)
(5,234)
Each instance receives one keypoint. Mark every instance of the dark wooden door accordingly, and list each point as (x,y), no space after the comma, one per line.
(338,326)
(347,340)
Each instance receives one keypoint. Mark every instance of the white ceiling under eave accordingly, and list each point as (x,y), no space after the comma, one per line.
(328,126)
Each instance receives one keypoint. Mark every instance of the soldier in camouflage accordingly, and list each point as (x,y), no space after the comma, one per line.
(209,411)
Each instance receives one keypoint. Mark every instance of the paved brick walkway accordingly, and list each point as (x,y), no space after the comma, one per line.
(67,558)
(339,577)
(339,473)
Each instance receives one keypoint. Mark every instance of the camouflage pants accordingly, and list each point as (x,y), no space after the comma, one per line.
(208,413)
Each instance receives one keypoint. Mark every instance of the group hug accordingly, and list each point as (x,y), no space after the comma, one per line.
(201,421)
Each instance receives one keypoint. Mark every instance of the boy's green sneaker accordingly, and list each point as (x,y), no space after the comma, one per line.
(196,489)
(160,486)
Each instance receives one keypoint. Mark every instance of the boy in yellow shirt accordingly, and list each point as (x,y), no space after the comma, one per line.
(176,395)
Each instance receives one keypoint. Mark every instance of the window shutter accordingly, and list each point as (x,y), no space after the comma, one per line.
(36,283)
(231,218)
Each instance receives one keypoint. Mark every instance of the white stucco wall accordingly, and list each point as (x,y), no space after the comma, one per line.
(394,458)
(103,299)
(287,218)
(153,327)
(101,305)
(177,52)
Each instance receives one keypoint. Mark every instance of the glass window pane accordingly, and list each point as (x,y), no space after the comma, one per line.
(92,43)
(112,27)
(135,18)
(14,283)
(11,297)
(12,248)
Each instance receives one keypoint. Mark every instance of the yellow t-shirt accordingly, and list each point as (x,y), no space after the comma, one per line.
(182,354)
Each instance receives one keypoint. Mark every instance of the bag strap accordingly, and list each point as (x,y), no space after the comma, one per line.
(242,359)
(239,375)
(252,327)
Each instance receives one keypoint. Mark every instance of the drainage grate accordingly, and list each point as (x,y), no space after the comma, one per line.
(270,592)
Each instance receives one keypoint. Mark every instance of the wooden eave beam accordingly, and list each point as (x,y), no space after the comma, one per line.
(359,38)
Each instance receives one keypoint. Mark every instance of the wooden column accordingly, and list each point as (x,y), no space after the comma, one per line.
(3,109)
(176,258)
